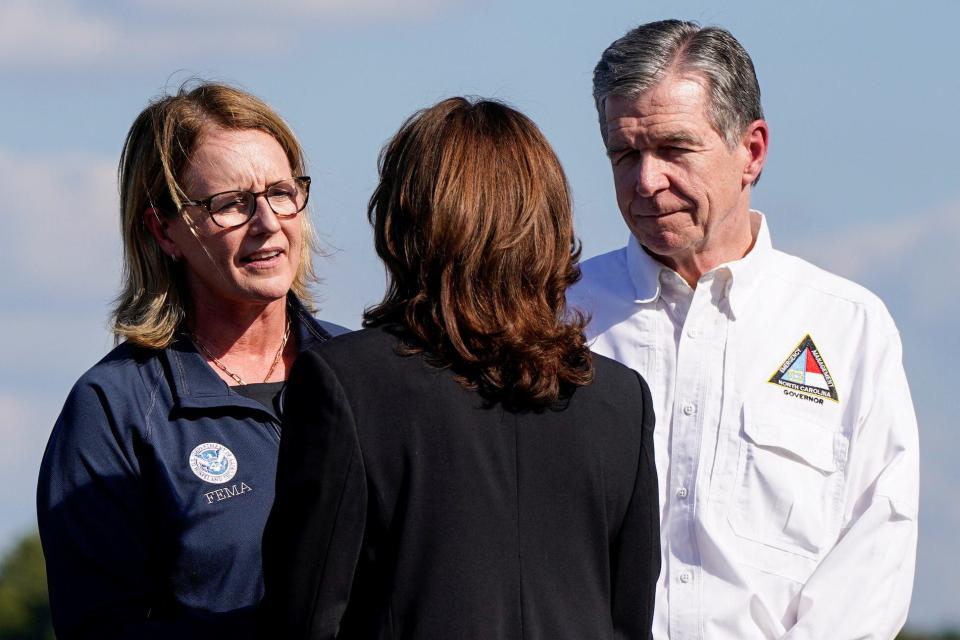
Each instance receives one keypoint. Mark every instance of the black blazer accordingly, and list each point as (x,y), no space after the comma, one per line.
(407,507)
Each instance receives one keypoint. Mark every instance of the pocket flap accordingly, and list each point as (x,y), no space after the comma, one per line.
(806,440)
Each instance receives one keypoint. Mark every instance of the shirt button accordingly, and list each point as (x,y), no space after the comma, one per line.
(682,492)
(693,333)
(689,409)
(685,577)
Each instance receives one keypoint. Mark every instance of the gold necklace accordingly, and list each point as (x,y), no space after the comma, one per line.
(223,367)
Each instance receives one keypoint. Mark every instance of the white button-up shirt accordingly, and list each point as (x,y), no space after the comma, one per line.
(786,443)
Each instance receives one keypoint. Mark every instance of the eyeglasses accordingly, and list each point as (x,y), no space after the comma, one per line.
(229,209)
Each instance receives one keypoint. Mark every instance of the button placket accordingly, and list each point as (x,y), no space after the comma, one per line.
(699,371)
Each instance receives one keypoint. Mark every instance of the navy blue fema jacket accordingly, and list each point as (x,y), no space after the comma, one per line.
(153,493)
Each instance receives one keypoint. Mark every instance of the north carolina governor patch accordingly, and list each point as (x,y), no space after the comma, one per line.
(804,371)
(213,462)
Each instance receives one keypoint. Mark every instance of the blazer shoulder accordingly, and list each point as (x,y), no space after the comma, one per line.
(364,356)
(610,373)
(354,345)
(616,391)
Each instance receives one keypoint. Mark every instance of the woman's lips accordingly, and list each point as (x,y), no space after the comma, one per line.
(263,258)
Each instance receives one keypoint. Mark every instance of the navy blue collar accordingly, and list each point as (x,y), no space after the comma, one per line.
(195,385)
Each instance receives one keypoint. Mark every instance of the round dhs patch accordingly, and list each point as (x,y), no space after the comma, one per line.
(213,462)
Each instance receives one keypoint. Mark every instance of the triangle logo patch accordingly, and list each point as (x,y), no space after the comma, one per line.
(804,371)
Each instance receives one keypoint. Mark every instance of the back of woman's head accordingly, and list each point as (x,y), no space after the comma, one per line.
(472,218)
(154,302)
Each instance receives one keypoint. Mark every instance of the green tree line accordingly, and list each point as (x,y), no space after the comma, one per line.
(25,611)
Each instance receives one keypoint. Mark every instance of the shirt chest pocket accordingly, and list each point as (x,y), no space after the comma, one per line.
(789,488)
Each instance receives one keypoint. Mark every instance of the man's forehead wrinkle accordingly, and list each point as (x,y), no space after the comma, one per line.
(673,108)
(651,117)
(661,126)
(683,94)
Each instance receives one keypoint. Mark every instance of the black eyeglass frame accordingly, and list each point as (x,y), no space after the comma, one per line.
(302,181)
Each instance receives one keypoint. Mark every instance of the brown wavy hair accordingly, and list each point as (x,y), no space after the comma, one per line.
(472,218)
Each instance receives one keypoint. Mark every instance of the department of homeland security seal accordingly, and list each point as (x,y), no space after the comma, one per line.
(213,462)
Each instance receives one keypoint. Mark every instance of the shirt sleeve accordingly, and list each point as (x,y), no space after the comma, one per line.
(637,550)
(315,531)
(863,586)
(94,527)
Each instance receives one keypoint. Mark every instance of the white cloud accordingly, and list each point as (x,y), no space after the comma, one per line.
(916,254)
(58,269)
(861,248)
(67,34)
(24,431)
(55,31)
(290,11)
(18,437)
(62,233)
(47,347)
(71,33)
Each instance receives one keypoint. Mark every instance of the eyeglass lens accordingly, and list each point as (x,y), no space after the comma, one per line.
(233,208)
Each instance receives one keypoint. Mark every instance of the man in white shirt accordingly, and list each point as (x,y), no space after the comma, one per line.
(786,441)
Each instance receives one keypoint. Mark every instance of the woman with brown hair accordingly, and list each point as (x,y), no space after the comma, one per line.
(463,467)
(159,473)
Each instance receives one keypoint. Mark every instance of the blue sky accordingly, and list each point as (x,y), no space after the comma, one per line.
(861,179)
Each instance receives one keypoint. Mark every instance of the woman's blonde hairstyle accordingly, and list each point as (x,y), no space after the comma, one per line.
(473,220)
(154,301)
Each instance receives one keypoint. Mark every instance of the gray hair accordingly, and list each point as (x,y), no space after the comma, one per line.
(649,53)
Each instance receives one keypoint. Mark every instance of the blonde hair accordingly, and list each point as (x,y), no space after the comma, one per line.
(154,301)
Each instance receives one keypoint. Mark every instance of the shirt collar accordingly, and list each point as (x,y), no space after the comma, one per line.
(745,273)
(645,270)
(304,326)
(195,384)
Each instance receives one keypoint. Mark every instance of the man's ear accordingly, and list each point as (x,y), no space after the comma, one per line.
(755,143)
(158,227)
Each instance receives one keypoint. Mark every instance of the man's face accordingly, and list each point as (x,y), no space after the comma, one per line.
(681,189)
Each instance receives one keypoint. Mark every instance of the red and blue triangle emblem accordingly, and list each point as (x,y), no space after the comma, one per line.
(804,371)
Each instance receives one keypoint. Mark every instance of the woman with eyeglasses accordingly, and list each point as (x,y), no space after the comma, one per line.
(159,474)
(463,468)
